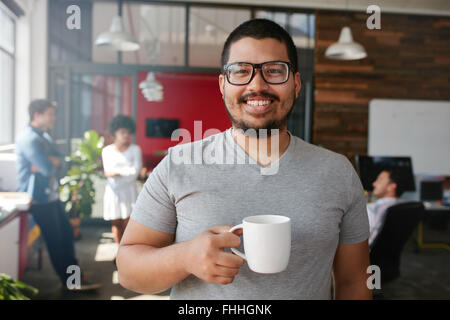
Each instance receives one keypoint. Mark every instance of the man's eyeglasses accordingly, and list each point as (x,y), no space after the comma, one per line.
(273,72)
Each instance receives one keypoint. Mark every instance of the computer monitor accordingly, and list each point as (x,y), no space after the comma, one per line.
(431,190)
(161,128)
(369,167)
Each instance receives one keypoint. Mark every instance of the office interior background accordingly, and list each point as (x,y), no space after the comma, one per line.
(393,103)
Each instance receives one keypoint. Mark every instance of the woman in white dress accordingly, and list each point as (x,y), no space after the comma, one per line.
(122,161)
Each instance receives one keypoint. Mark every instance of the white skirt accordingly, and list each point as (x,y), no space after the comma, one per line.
(119,205)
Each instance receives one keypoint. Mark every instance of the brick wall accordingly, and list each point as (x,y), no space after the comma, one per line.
(408,58)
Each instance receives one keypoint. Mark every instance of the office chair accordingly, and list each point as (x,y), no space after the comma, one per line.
(399,224)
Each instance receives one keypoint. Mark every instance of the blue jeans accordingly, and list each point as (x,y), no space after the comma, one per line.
(57,233)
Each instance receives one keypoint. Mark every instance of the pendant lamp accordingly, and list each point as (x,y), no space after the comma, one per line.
(345,48)
(117,38)
(151,88)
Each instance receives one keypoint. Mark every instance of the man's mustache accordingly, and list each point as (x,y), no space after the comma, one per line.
(264,94)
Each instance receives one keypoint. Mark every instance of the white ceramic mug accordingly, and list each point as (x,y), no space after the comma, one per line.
(267,242)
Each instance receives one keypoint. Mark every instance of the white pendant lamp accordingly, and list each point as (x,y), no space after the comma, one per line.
(117,38)
(151,88)
(346,48)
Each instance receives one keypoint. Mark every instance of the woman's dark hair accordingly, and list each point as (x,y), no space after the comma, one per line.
(39,106)
(260,29)
(121,122)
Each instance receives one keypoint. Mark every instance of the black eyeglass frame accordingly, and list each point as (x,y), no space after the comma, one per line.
(257,66)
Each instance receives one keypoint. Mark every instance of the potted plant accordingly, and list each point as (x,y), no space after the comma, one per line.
(77,188)
(15,290)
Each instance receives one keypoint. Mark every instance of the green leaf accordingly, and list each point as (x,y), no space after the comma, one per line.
(65,194)
(85,162)
(15,290)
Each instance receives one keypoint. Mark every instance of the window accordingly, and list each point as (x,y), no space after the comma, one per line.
(65,44)
(7,46)
(299,25)
(96,99)
(160,29)
(208,30)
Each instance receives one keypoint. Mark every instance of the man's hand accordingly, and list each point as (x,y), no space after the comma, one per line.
(55,161)
(34,169)
(206,259)
(111,174)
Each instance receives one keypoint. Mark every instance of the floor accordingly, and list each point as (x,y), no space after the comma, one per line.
(95,252)
(424,274)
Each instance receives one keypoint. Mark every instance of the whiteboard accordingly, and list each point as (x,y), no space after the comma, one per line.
(416,128)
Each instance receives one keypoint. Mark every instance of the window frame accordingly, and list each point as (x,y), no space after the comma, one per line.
(12,55)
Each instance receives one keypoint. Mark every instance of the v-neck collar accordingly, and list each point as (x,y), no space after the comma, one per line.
(243,157)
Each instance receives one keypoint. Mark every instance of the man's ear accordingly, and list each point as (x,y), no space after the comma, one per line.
(298,84)
(393,187)
(221,83)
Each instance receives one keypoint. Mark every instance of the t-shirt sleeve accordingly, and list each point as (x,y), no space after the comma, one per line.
(355,222)
(154,206)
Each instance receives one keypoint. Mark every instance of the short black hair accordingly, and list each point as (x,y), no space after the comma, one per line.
(121,122)
(395,177)
(39,106)
(260,29)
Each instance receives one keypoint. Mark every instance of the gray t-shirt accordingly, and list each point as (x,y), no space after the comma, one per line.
(318,189)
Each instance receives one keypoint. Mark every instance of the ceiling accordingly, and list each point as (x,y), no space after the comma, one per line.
(420,7)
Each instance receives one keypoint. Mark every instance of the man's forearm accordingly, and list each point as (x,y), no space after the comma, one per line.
(146,269)
(352,291)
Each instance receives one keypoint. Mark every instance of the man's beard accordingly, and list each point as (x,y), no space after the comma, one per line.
(269,125)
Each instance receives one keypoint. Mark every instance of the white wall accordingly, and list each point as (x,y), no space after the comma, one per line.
(8,176)
(30,77)
(416,128)
(9,248)
(31,59)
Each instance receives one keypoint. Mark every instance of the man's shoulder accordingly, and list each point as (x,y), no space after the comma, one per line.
(318,154)
(27,135)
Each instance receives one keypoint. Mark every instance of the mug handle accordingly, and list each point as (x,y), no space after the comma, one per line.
(235,251)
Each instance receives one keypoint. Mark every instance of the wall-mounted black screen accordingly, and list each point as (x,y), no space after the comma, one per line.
(369,167)
(162,128)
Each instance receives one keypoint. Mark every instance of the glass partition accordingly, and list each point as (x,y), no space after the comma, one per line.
(160,31)
(7,54)
(208,30)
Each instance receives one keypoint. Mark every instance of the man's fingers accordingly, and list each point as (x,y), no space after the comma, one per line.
(222,280)
(238,232)
(220,229)
(227,240)
(222,271)
(230,260)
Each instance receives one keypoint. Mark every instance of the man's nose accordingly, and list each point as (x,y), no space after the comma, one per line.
(258,83)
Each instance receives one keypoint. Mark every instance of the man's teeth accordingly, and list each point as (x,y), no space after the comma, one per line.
(258,103)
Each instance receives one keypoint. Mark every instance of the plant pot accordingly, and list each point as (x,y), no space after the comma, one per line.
(76,224)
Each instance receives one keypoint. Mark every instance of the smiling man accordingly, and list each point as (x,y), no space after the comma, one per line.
(178,233)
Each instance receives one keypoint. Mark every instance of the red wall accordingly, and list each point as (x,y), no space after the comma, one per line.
(187,97)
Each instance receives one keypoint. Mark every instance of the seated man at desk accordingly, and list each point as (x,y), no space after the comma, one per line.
(387,189)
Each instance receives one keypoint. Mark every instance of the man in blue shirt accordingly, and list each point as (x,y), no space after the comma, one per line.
(387,189)
(39,167)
